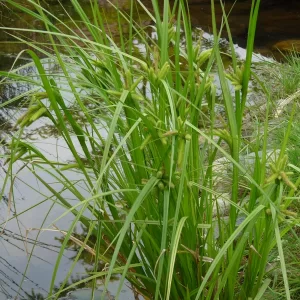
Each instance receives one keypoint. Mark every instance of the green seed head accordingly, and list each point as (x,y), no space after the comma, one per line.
(159,174)
(188,137)
(161,185)
(268,212)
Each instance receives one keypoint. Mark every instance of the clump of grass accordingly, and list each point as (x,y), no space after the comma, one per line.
(284,77)
(142,158)
(290,73)
(294,143)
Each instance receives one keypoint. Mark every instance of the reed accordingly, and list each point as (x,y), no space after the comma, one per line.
(148,153)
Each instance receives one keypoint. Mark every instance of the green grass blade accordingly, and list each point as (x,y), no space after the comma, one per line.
(262,290)
(173,252)
(138,202)
(254,214)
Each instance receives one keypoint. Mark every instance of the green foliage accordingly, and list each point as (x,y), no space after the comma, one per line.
(290,73)
(147,162)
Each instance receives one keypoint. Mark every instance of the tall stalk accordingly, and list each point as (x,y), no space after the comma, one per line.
(149,167)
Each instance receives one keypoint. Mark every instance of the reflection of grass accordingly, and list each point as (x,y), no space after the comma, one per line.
(35,296)
(148,162)
(72,281)
(5,124)
(86,256)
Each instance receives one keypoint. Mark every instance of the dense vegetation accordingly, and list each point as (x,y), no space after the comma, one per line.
(165,189)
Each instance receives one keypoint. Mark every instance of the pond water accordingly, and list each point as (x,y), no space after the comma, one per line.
(277,26)
(277,23)
(17,276)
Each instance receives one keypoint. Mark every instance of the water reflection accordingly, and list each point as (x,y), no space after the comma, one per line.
(13,89)
(278,22)
(10,46)
(32,281)
(10,278)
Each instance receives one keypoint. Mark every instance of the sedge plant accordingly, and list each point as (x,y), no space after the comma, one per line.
(146,153)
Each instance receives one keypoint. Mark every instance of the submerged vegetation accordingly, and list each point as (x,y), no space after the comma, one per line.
(179,187)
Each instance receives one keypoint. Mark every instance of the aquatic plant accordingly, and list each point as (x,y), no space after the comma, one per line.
(147,155)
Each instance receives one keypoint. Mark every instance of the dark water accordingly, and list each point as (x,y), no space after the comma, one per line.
(278,22)
(13,18)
